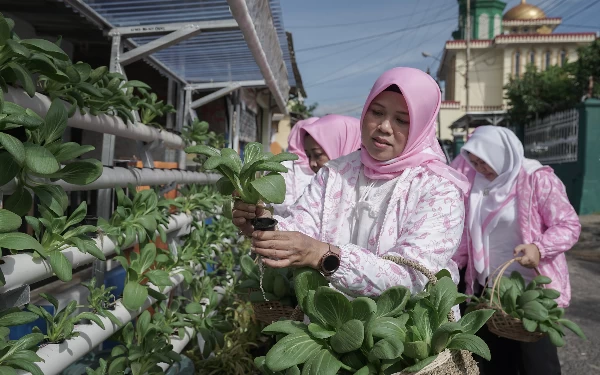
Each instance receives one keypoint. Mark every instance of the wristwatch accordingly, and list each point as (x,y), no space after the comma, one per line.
(329,263)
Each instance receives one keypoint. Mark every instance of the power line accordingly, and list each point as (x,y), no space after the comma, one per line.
(368,54)
(572,14)
(375,35)
(364,22)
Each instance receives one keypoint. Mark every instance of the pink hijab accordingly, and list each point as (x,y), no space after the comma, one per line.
(296,143)
(423,97)
(337,135)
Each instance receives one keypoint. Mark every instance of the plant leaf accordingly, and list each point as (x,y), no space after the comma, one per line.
(39,160)
(472,343)
(349,337)
(473,321)
(416,350)
(46,47)
(134,295)
(20,241)
(442,334)
(19,202)
(324,363)
(270,187)
(332,306)
(71,150)
(442,296)
(10,168)
(24,77)
(390,348)
(284,326)
(81,172)
(388,327)
(392,301)
(292,350)
(56,121)
(61,266)
(363,308)
(14,147)
(305,280)
(9,221)
(570,325)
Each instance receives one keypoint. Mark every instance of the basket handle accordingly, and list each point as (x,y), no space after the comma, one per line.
(418,267)
(498,274)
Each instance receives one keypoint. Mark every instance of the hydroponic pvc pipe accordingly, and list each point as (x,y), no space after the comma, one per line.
(21,269)
(179,344)
(101,123)
(58,357)
(117,176)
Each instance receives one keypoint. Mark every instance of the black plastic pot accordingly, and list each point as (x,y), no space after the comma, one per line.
(264,224)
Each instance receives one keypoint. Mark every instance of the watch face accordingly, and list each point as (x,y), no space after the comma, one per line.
(331,263)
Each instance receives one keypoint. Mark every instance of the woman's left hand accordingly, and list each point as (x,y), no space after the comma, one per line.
(288,249)
(531,255)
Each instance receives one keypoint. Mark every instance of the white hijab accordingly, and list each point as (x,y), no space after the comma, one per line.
(503,152)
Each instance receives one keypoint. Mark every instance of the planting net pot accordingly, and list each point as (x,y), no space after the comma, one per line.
(501,323)
(272,311)
(448,362)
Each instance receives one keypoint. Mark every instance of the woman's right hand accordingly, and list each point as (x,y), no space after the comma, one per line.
(243,212)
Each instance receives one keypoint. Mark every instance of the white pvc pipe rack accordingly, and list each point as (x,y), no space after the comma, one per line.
(58,357)
(101,123)
(21,269)
(179,344)
(122,177)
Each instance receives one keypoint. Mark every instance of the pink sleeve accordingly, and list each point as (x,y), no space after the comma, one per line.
(306,213)
(429,236)
(558,216)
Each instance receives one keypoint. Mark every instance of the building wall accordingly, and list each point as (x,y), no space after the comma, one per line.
(490,71)
(283,132)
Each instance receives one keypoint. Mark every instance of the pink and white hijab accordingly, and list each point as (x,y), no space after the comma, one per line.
(503,152)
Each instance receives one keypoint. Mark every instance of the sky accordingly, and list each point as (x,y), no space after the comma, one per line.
(338,74)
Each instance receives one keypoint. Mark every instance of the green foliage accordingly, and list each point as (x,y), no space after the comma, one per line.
(18,354)
(61,326)
(143,348)
(138,218)
(198,132)
(391,333)
(151,108)
(533,304)
(276,283)
(296,106)
(540,93)
(56,232)
(101,301)
(139,268)
(242,176)
(203,198)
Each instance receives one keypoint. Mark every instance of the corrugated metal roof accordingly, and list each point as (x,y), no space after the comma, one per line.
(212,56)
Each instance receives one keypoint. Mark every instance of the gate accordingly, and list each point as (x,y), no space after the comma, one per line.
(553,139)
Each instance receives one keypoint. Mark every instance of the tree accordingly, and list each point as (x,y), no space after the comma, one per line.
(295,105)
(539,94)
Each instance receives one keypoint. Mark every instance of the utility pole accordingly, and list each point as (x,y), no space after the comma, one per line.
(468,44)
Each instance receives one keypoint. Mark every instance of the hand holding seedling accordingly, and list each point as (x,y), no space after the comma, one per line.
(243,213)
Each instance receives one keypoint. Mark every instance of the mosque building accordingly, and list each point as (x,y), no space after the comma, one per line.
(501,47)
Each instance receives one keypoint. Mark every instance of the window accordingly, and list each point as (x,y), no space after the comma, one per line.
(532,57)
(497,25)
(548,60)
(563,57)
(525,30)
(514,30)
(517,64)
(484,26)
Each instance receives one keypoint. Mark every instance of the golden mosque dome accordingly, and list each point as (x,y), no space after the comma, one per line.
(524,11)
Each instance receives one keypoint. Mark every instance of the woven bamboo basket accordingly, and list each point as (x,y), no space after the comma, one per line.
(448,362)
(501,323)
(272,311)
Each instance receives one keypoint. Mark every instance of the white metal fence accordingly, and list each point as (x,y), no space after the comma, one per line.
(553,139)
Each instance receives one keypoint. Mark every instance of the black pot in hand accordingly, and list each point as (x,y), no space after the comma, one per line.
(265,224)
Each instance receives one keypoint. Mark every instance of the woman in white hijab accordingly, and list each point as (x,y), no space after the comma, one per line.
(516,208)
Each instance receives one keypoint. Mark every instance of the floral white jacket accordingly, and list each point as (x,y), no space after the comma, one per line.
(423,221)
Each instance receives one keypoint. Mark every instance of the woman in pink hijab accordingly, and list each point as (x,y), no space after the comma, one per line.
(321,140)
(299,173)
(396,196)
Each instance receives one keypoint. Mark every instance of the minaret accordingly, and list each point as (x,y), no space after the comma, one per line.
(486,19)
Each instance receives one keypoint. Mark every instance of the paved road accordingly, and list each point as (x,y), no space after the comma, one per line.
(580,357)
